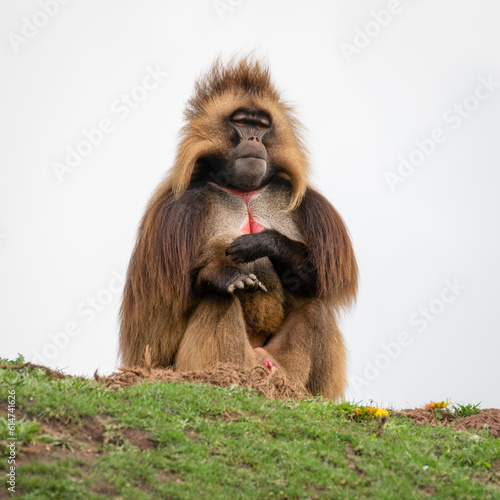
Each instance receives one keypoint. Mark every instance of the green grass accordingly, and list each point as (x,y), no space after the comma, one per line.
(466,410)
(210,443)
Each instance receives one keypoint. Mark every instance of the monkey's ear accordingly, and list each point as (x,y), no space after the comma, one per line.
(330,249)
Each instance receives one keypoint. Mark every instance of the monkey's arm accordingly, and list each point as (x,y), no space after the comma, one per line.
(323,266)
(290,258)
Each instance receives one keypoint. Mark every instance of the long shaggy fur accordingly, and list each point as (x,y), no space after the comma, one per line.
(330,249)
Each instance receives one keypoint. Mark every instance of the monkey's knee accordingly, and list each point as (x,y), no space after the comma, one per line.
(216,333)
(310,350)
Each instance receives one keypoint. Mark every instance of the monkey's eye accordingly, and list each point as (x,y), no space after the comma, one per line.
(240,124)
(260,127)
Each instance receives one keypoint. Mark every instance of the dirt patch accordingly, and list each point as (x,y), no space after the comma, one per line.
(351,464)
(272,385)
(43,453)
(424,416)
(83,441)
(427,490)
(91,431)
(232,416)
(138,437)
(489,418)
(493,476)
(104,488)
(100,430)
(32,366)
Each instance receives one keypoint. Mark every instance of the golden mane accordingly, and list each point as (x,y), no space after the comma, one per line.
(238,83)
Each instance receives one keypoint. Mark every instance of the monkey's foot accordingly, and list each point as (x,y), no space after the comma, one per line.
(268,363)
(248,282)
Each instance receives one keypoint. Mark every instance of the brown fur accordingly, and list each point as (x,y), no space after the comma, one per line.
(182,240)
(330,245)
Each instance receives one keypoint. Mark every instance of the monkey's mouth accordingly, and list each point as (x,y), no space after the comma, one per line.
(244,195)
(244,157)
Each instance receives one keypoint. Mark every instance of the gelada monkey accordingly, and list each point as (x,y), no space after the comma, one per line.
(238,259)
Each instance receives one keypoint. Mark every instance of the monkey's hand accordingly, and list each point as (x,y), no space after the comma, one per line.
(250,247)
(290,258)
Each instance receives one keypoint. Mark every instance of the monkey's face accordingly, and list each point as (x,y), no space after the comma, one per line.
(247,167)
(239,135)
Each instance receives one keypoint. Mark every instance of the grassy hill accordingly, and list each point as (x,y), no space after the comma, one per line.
(78,439)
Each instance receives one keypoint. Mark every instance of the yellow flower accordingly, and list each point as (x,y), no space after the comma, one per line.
(442,404)
(370,410)
(432,405)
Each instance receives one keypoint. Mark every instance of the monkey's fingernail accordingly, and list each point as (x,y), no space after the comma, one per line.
(252,276)
(249,281)
(262,287)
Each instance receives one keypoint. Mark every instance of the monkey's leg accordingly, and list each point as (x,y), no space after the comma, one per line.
(310,350)
(216,333)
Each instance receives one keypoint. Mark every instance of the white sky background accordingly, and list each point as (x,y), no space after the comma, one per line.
(62,242)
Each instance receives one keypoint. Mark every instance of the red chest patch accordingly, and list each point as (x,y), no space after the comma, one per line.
(251,225)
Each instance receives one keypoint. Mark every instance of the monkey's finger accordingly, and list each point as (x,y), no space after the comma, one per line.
(253,277)
(239,284)
(249,281)
(230,288)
